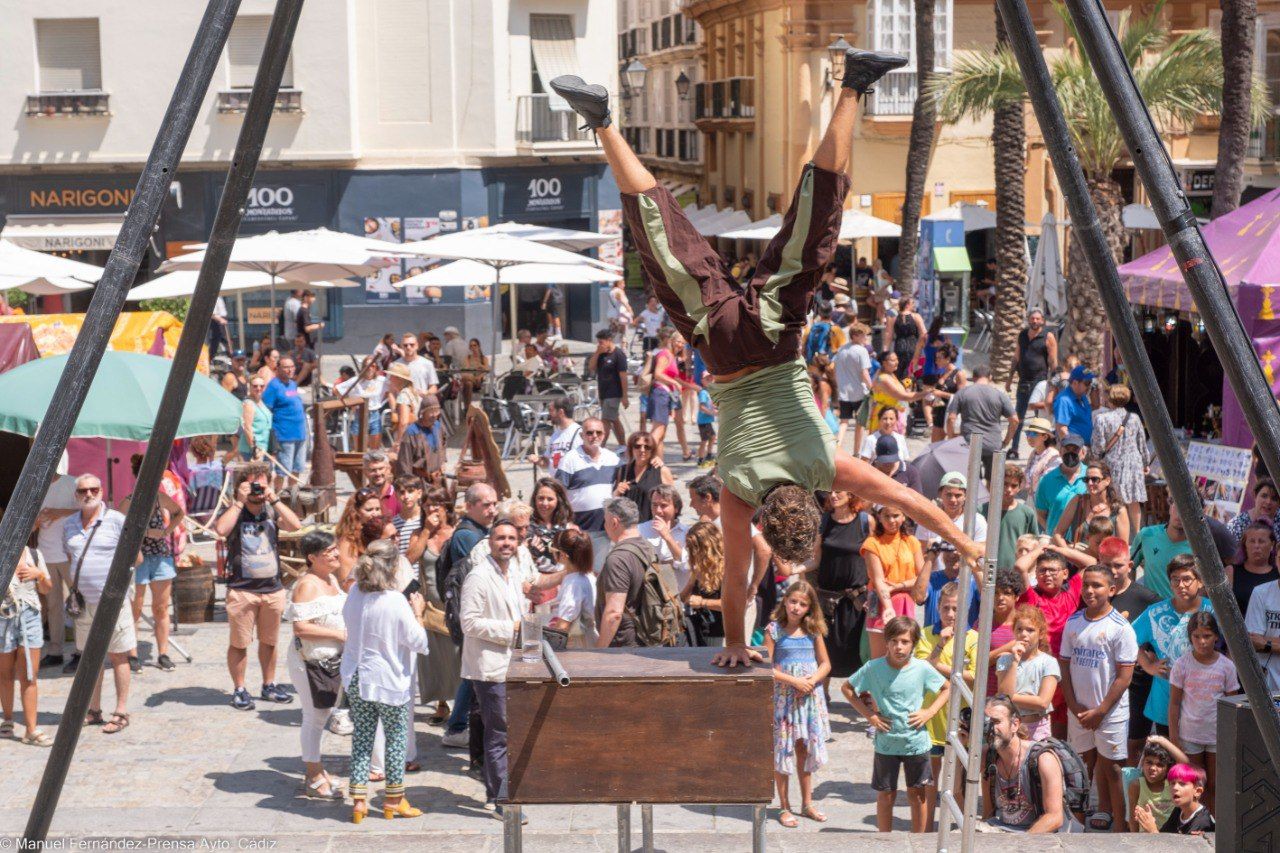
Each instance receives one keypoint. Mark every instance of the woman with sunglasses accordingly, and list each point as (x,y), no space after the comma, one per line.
(1098,501)
(255,422)
(315,612)
(438,680)
(363,506)
(643,472)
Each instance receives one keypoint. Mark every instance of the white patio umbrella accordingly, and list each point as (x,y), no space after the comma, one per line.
(301,256)
(498,252)
(856,225)
(726,220)
(1047,287)
(43,274)
(1139,216)
(765,229)
(559,238)
(976,217)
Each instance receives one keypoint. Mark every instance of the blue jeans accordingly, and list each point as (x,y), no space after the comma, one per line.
(292,457)
(462,700)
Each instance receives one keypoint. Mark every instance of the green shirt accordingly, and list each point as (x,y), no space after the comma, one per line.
(1152,550)
(771,433)
(1014,523)
(898,693)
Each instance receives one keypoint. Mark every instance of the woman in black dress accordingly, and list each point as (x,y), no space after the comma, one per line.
(841,579)
(643,472)
(705,547)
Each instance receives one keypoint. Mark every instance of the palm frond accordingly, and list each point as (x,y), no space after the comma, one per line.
(1183,80)
(979,82)
(1141,35)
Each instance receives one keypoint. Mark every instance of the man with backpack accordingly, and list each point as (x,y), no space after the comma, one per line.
(481,503)
(819,340)
(1029,786)
(634,606)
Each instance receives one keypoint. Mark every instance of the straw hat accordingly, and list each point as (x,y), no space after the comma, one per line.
(400,371)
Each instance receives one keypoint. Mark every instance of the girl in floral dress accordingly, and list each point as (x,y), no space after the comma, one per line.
(800,723)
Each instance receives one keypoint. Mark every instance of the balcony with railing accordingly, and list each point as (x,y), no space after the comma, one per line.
(231,101)
(894,95)
(538,125)
(79,102)
(725,102)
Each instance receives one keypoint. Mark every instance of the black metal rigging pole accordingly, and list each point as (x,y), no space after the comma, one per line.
(1203,279)
(106,305)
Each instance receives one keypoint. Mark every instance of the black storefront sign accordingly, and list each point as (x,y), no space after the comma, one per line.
(288,202)
(54,195)
(538,194)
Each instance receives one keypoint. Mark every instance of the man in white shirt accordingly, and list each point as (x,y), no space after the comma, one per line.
(289,317)
(489,609)
(566,436)
(218,329)
(587,474)
(422,370)
(853,380)
(1262,621)
(89,538)
(454,347)
(59,502)
(952,490)
(650,321)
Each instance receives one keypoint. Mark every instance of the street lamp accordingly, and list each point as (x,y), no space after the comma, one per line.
(634,75)
(682,86)
(625,90)
(836,51)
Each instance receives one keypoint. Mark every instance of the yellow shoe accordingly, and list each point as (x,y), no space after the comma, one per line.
(359,811)
(400,809)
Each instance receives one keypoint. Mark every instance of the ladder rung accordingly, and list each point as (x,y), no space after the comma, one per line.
(948,798)
(958,682)
(962,752)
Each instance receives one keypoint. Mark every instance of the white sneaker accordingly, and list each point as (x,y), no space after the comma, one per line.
(340,723)
(456,739)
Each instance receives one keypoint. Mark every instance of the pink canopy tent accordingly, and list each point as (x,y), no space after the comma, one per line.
(1246,244)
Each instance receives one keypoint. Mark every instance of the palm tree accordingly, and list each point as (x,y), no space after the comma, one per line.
(924,117)
(1238,20)
(1009,139)
(1179,78)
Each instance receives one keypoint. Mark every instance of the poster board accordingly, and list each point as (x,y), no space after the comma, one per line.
(1221,476)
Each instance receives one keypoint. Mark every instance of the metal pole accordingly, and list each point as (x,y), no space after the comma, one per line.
(235,191)
(240,317)
(1203,279)
(624,825)
(109,295)
(497,332)
(512,832)
(757,828)
(646,827)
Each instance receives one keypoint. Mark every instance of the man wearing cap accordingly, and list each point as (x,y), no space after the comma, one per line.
(421,451)
(454,347)
(1072,412)
(842,308)
(853,380)
(952,490)
(889,461)
(236,379)
(1059,486)
(422,371)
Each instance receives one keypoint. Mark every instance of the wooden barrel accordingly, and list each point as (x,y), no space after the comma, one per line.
(193,594)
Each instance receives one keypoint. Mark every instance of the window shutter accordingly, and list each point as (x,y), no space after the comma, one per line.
(244,51)
(69,54)
(554,51)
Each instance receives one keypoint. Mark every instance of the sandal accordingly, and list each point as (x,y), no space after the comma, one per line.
(787,819)
(412,767)
(37,738)
(812,813)
(377,777)
(93,717)
(119,722)
(312,790)
(1100,821)
(6,728)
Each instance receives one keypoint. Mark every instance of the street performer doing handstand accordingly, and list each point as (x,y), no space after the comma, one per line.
(775,450)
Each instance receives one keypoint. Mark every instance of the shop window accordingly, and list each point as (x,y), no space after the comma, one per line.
(69,55)
(891,27)
(244,52)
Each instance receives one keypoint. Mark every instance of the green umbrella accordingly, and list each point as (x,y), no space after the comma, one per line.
(122,402)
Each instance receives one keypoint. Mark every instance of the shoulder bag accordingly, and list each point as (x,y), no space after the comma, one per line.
(75,598)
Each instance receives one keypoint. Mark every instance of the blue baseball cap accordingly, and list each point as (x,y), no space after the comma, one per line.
(1080,373)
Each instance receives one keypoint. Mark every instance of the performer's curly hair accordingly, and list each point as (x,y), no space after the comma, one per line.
(789,521)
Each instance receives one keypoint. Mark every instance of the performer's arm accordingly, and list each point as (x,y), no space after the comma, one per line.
(735,520)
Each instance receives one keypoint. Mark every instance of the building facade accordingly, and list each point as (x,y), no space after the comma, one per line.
(767,93)
(656,36)
(401,118)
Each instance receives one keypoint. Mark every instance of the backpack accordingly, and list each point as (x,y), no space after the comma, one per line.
(658,617)
(1075,778)
(449,578)
(819,340)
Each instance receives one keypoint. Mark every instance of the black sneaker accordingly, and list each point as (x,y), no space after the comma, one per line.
(241,700)
(135,665)
(275,693)
(862,68)
(71,665)
(51,660)
(163,662)
(591,101)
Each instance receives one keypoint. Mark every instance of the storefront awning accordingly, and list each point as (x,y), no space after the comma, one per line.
(63,233)
(951,259)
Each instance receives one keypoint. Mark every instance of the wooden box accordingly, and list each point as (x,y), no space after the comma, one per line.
(640,725)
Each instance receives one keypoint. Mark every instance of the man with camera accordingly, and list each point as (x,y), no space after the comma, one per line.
(1024,786)
(255,595)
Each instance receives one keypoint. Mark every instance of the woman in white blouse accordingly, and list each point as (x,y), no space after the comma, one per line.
(315,611)
(384,632)
(576,603)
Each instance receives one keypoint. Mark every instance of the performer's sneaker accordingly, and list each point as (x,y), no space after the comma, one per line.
(591,101)
(862,68)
